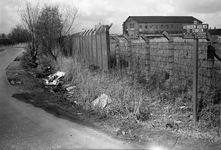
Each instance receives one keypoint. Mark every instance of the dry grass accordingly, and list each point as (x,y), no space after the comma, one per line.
(126,100)
(134,102)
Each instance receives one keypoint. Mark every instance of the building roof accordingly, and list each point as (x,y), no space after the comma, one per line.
(163,19)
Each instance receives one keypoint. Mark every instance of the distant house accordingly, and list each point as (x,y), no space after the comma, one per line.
(155,25)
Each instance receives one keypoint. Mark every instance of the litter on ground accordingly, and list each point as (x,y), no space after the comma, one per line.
(54,79)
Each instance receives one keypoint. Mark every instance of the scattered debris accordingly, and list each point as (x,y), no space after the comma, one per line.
(70,88)
(54,79)
(102,101)
(66,85)
(173,125)
(15,81)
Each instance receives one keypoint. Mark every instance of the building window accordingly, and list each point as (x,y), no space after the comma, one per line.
(172,26)
(141,26)
(166,26)
(132,26)
(161,26)
(156,26)
(146,26)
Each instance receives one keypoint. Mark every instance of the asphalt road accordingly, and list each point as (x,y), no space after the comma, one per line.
(25,127)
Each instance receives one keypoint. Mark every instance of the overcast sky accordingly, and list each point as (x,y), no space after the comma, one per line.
(116,11)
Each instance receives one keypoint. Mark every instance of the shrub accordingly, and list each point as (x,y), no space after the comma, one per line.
(27,61)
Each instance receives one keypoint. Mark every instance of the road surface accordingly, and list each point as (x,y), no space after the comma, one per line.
(25,127)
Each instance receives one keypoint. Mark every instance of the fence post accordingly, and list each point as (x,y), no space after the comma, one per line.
(107,38)
(95,47)
(92,46)
(89,47)
(83,47)
(130,62)
(130,57)
(170,59)
(147,62)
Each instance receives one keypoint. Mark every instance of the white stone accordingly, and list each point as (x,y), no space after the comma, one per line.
(102,101)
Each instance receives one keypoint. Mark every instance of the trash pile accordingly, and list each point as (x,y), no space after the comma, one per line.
(54,79)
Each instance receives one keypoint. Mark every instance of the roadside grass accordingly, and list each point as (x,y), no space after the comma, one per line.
(145,112)
(154,105)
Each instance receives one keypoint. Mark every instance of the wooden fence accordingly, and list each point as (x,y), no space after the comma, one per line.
(93,46)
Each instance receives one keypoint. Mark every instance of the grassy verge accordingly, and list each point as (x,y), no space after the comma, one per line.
(137,107)
(153,112)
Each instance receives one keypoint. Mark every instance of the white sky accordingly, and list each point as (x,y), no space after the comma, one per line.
(116,11)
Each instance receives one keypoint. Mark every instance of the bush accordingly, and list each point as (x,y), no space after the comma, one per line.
(27,61)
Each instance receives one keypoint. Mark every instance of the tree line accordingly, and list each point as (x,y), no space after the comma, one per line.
(43,28)
(17,35)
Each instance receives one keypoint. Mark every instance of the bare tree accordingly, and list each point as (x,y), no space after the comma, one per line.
(29,15)
(48,30)
(69,24)
(55,23)
(48,26)
(68,18)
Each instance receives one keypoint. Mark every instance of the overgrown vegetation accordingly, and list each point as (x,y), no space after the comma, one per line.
(46,27)
(149,102)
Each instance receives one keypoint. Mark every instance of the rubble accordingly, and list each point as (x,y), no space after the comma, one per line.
(70,88)
(15,81)
(54,79)
(102,101)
